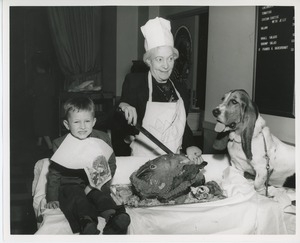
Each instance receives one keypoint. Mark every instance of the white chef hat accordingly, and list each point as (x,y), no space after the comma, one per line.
(157,32)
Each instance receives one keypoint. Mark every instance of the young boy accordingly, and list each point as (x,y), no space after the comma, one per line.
(70,176)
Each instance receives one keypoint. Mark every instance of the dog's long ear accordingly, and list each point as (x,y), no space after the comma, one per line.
(221,141)
(250,115)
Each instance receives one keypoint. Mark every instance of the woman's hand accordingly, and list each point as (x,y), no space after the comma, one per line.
(130,113)
(194,153)
(52,205)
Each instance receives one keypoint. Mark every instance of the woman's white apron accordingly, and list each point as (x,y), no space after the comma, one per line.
(164,120)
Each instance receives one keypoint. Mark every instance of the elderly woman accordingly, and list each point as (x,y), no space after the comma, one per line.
(153,100)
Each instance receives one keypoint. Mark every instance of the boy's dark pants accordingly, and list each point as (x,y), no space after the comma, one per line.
(75,204)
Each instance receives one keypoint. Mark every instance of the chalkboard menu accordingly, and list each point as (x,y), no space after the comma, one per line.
(275,61)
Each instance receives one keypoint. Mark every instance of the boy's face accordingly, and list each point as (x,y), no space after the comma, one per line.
(80,123)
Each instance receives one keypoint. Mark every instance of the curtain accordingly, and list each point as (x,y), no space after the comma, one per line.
(76,36)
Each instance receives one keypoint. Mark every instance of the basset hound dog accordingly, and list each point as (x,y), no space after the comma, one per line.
(252,148)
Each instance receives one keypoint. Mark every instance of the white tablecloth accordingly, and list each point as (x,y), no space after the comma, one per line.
(243,212)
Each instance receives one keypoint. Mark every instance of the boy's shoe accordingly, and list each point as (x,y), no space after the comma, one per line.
(88,226)
(118,223)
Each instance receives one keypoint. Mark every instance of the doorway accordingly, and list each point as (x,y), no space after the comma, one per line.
(190,32)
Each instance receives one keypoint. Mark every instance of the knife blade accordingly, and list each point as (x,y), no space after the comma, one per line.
(140,128)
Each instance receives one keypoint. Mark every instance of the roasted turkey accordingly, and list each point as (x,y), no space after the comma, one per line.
(167,177)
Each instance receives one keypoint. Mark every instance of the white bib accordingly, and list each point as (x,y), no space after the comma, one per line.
(91,154)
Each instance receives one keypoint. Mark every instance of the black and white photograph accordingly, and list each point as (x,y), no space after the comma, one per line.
(150,121)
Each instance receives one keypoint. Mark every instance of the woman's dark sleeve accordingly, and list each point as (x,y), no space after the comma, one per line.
(130,96)
(188,138)
(119,126)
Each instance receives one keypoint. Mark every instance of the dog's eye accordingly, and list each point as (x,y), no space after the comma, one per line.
(234,102)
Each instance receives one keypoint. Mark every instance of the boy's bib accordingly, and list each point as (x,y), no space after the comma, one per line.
(91,154)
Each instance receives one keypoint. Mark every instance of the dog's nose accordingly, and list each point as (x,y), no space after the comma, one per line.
(216,112)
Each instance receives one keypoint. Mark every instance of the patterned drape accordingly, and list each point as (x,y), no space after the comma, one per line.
(76,33)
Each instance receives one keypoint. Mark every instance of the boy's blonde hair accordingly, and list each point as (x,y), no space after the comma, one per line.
(81,103)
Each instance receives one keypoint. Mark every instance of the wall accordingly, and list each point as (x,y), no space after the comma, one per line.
(127,38)
(282,127)
(230,55)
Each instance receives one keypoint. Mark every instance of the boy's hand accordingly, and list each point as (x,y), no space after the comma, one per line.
(52,205)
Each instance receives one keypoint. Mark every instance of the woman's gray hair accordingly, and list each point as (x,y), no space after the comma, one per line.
(149,53)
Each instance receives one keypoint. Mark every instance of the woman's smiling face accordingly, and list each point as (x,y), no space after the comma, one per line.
(80,123)
(161,63)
